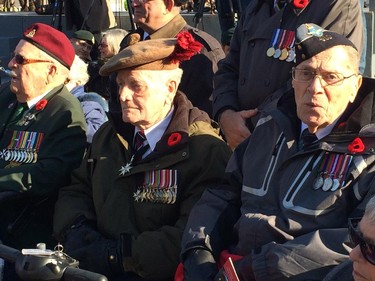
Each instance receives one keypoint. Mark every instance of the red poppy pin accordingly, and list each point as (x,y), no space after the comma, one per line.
(356,146)
(174,139)
(40,105)
(300,4)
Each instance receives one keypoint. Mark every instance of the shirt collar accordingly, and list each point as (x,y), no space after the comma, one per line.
(35,100)
(323,132)
(154,133)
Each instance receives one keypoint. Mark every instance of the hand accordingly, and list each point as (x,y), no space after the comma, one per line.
(103,256)
(233,125)
(200,265)
(93,251)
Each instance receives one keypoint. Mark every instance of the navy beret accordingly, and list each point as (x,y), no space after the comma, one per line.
(312,39)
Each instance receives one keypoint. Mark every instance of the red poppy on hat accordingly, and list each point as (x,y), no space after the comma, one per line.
(51,41)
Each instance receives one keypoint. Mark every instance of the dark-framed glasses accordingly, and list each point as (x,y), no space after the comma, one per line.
(356,238)
(330,78)
(21,60)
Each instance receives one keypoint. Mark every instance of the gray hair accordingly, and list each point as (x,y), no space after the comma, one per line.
(78,73)
(370,210)
(114,37)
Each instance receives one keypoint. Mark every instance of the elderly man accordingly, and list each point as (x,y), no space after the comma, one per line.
(42,137)
(291,196)
(125,212)
(162,19)
(262,55)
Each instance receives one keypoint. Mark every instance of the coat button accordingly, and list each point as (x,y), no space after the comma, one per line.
(184,154)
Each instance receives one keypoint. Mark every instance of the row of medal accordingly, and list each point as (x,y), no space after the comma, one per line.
(158,186)
(282,45)
(23,147)
(156,195)
(333,171)
(19,156)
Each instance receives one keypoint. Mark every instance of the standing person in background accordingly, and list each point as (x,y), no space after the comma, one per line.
(162,19)
(229,12)
(94,106)
(108,47)
(124,214)
(262,54)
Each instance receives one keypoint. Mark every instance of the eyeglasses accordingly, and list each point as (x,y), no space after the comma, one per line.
(356,238)
(330,78)
(21,60)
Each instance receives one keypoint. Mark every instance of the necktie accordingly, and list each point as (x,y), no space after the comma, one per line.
(307,138)
(18,113)
(278,5)
(140,145)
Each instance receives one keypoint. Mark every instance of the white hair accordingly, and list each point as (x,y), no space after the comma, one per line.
(370,210)
(78,74)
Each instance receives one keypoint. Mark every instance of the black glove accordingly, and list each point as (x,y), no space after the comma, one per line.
(93,251)
(199,264)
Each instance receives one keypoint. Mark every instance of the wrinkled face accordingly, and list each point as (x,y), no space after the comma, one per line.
(81,48)
(105,51)
(145,97)
(148,13)
(319,104)
(362,269)
(31,78)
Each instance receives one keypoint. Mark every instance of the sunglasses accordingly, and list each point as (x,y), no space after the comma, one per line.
(356,238)
(21,60)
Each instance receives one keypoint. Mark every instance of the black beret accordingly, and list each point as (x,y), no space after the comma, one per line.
(312,39)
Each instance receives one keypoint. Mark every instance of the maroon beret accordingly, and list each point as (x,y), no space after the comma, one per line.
(51,41)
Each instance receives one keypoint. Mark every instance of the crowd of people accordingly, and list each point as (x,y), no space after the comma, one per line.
(161,153)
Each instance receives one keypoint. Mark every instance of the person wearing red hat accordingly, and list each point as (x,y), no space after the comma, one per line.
(42,136)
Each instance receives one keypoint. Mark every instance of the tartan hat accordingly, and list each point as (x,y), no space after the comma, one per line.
(51,41)
(156,54)
(312,39)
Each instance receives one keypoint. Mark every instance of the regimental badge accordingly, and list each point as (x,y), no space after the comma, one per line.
(31,33)
(158,187)
(313,30)
(23,148)
(333,171)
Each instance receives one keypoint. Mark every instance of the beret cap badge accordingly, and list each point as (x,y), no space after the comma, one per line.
(31,33)
(312,39)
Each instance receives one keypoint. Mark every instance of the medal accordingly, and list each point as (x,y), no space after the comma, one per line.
(335,185)
(277,53)
(270,52)
(327,183)
(284,54)
(318,183)
(291,56)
